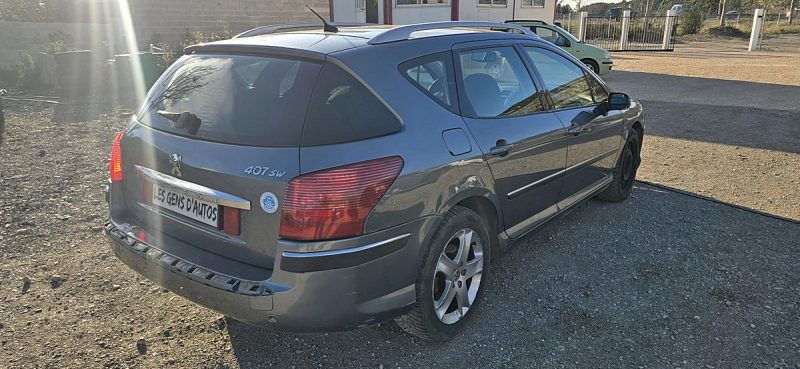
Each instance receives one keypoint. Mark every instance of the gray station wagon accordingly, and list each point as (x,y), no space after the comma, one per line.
(309,180)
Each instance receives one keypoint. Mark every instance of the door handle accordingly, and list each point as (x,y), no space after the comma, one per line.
(502,148)
(576,129)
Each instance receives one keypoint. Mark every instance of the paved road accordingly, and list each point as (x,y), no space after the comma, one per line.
(662,280)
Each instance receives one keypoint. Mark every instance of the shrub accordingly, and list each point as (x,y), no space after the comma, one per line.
(728,31)
(56,43)
(26,71)
(691,21)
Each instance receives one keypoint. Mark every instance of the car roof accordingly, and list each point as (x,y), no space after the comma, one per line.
(304,40)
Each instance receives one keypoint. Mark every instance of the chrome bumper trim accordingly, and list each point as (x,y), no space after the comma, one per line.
(316,254)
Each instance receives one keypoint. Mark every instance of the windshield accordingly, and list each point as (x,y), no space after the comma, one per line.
(568,35)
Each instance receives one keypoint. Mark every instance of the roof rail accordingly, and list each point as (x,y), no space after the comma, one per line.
(265,30)
(536,21)
(404,32)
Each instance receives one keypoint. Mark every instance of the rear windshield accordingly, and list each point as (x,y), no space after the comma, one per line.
(246,100)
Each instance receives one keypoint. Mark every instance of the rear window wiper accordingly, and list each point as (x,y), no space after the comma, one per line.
(185,120)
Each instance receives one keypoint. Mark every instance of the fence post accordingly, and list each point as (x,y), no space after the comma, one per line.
(569,22)
(668,25)
(623,35)
(582,30)
(755,33)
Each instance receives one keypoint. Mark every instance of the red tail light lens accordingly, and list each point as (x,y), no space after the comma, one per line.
(230,220)
(335,203)
(115,167)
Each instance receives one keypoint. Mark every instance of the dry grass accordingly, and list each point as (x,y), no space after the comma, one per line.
(743,29)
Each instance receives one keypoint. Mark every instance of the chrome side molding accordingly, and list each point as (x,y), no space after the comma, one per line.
(316,254)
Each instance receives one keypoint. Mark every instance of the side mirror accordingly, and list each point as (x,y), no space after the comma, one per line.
(562,41)
(618,101)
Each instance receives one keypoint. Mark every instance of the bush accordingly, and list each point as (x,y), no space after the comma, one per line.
(727,31)
(26,71)
(56,43)
(690,22)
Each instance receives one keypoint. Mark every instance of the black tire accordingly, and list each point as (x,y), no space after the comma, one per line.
(592,64)
(423,320)
(625,170)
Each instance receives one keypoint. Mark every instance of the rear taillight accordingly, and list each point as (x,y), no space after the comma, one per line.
(115,167)
(335,203)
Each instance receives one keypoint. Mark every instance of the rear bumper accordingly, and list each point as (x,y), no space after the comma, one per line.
(314,287)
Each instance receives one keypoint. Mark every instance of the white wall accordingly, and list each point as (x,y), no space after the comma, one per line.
(405,14)
(345,11)
(545,13)
(469,10)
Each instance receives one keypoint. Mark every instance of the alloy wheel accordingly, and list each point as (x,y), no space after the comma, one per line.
(457,278)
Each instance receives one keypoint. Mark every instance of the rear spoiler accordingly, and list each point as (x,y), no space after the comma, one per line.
(231,48)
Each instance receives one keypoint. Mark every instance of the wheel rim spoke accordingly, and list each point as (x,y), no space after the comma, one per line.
(473,267)
(447,298)
(462,300)
(464,244)
(445,265)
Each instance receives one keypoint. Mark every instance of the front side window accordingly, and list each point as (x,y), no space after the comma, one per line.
(497,84)
(493,2)
(565,80)
(433,75)
(533,3)
(600,94)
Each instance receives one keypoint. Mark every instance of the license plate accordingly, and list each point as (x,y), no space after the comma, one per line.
(199,210)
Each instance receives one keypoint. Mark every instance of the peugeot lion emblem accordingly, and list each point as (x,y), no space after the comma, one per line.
(176,160)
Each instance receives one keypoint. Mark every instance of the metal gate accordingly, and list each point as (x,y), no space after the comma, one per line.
(643,33)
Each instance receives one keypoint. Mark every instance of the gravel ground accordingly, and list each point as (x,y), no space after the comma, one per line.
(661,280)
(711,130)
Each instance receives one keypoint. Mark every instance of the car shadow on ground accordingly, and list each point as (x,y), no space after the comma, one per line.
(662,279)
(735,113)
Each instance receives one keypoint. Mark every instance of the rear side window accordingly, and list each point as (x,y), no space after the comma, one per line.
(342,109)
(433,75)
(246,100)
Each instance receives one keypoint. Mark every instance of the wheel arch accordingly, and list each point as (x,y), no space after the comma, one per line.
(488,210)
(594,63)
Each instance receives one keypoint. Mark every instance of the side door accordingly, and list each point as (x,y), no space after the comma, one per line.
(524,144)
(595,134)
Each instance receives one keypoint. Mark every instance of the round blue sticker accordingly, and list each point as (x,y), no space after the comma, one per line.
(269,202)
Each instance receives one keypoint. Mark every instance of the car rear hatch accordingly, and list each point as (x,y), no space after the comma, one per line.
(212,150)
